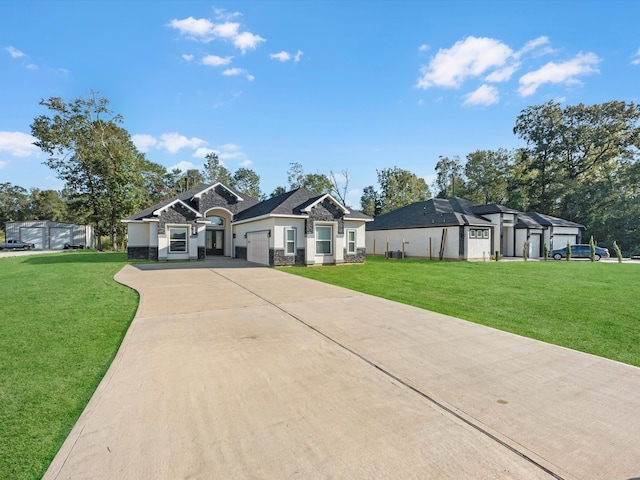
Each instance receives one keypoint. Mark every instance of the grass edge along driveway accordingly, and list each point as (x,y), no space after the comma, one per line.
(63,318)
(585,306)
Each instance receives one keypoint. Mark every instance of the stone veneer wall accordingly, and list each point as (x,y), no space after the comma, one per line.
(324,212)
(142,253)
(358,257)
(280,259)
(176,214)
(241,253)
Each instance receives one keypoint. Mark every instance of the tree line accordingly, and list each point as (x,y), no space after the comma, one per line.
(579,163)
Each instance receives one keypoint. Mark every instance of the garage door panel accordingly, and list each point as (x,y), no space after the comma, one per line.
(258,247)
(560,241)
(534,250)
(33,235)
(58,237)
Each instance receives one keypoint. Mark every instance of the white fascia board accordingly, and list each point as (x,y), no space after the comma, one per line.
(167,207)
(359,219)
(322,199)
(129,221)
(148,220)
(268,215)
(198,195)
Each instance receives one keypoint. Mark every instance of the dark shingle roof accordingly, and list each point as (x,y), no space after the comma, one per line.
(289,203)
(187,197)
(548,220)
(436,212)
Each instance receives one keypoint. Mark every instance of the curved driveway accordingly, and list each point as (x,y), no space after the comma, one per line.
(232,371)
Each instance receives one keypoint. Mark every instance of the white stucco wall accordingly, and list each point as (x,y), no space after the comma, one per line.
(138,234)
(477,248)
(242,228)
(416,242)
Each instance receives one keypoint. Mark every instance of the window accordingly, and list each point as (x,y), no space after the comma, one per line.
(323,240)
(478,233)
(290,241)
(177,240)
(218,221)
(351,241)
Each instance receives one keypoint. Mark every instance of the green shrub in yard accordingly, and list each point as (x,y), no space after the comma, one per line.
(592,249)
(616,249)
(545,252)
(525,251)
(568,252)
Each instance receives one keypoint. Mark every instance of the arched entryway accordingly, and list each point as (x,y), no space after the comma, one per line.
(218,232)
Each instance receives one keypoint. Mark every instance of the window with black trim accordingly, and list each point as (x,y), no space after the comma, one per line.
(478,233)
(177,240)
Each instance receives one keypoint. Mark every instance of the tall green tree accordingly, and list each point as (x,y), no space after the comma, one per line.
(316,182)
(95,157)
(14,203)
(214,171)
(399,187)
(487,176)
(247,181)
(370,201)
(449,179)
(47,205)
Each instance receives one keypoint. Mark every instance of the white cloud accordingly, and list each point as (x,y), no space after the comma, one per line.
(484,95)
(285,56)
(14,52)
(221,14)
(184,166)
(534,44)
(144,142)
(559,73)
(196,28)
(202,152)
(226,30)
(216,61)
(18,144)
(247,40)
(3,164)
(423,48)
(636,60)
(282,56)
(502,74)
(470,57)
(232,72)
(187,57)
(246,163)
(205,30)
(172,142)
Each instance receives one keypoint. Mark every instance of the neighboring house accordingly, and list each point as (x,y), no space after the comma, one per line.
(458,229)
(48,235)
(296,228)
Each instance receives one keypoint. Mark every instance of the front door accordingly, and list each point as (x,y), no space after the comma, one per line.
(215,242)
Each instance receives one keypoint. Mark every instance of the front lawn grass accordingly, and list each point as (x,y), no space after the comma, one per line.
(62,319)
(591,307)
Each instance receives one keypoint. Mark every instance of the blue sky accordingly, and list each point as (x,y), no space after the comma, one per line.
(349,85)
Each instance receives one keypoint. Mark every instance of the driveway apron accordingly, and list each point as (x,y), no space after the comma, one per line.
(234,371)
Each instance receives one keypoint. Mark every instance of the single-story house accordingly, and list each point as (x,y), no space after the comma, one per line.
(299,227)
(49,235)
(458,229)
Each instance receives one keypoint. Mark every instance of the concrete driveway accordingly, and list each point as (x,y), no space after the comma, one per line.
(243,373)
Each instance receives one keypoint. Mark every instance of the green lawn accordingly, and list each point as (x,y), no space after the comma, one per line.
(62,319)
(591,307)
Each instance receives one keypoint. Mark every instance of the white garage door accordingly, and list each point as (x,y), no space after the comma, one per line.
(534,249)
(560,241)
(33,235)
(58,237)
(258,247)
